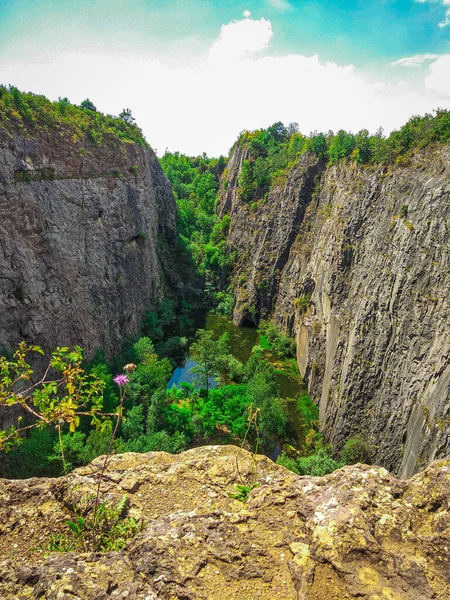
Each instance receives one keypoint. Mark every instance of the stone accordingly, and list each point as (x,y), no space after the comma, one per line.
(364,291)
(84,253)
(356,533)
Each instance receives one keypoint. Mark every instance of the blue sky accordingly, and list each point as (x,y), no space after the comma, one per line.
(197,72)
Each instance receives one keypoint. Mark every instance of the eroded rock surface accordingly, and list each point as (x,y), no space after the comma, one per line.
(355,263)
(84,236)
(356,533)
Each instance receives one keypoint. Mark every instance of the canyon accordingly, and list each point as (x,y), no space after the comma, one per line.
(354,261)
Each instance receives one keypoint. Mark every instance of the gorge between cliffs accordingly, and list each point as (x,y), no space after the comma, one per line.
(332,256)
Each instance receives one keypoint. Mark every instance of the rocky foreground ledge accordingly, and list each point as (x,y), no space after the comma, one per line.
(356,533)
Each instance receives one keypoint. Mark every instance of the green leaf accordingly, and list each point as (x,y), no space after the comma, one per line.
(73,527)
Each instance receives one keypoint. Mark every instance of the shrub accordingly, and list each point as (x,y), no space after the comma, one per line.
(403,211)
(309,412)
(88,105)
(276,340)
(356,450)
(316,465)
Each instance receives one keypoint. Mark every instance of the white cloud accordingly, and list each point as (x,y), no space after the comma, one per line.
(414,61)
(438,79)
(446,3)
(241,38)
(280,4)
(235,83)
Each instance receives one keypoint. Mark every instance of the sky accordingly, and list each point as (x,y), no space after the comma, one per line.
(195,73)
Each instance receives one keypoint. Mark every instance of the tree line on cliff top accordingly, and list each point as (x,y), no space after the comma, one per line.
(272,152)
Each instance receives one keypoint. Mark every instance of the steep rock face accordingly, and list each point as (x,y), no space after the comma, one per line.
(364,285)
(357,533)
(263,237)
(83,235)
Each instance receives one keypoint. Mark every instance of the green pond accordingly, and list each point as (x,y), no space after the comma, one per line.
(242,340)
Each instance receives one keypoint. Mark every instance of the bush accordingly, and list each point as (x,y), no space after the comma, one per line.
(316,465)
(309,412)
(356,450)
(274,339)
(159,441)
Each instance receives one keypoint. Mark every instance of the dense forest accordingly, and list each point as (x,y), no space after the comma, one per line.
(272,152)
(158,418)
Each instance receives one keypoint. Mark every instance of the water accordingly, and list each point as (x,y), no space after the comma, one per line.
(183,375)
(242,340)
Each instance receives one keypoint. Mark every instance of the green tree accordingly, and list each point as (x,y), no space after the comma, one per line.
(317,143)
(210,354)
(126,116)
(88,105)
(133,425)
(246,182)
(278,132)
(342,145)
(262,392)
(151,374)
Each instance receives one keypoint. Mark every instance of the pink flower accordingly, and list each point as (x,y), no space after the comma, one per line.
(121,379)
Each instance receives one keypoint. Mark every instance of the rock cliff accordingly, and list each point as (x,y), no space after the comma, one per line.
(355,263)
(356,533)
(84,231)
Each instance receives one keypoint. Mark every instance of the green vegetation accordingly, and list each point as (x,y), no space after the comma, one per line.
(158,418)
(309,413)
(36,114)
(212,356)
(274,151)
(202,235)
(242,491)
(321,461)
(63,394)
(356,450)
(109,531)
(271,338)
(186,416)
(317,464)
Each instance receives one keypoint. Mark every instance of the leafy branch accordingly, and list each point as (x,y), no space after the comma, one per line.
(63,394)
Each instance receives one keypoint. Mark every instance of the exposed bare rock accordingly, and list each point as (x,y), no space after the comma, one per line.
(83,229)
(355,262)
(357,533)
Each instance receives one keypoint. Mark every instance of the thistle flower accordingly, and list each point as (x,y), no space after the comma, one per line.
(130,368)
(121,379)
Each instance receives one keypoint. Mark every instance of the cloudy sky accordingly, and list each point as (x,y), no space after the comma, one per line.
(197,72)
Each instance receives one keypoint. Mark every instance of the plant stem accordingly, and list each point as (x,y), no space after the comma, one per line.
(251,420)
(61,448)
(105,464)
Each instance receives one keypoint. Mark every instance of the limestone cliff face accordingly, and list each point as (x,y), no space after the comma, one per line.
(83,230)
(355,262)
(356,533)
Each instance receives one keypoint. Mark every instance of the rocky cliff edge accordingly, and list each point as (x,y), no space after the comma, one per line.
(356,533)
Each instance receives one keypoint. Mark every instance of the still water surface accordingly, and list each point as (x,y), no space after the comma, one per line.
(242,340)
